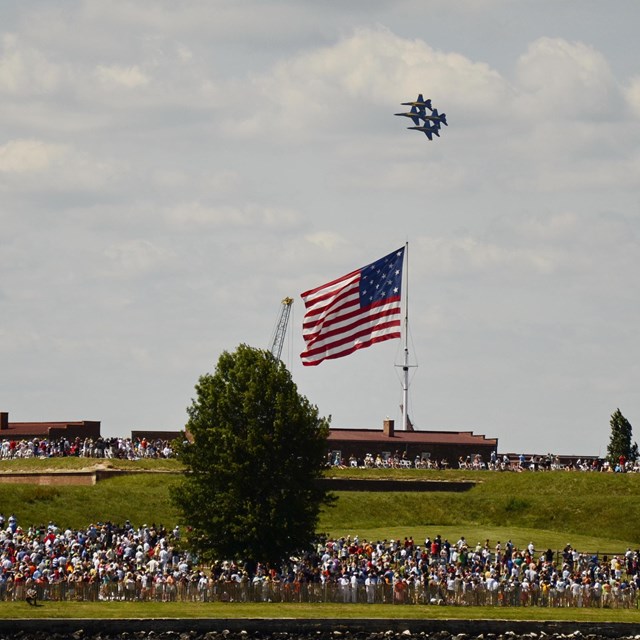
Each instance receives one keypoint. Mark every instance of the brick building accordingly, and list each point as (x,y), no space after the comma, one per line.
(436,445)
(345,443)
(48,430)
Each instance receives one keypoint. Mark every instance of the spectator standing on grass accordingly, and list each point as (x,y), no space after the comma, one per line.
(345,585)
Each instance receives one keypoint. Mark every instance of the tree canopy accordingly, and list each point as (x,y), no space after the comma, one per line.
(620,444)
(255,452)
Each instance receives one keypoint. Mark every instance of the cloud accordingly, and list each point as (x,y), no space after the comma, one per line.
(30,166)
(25,71)
(188,215)
(18,339)
(326,240)
(521,247)
(137,257)
(117,76)
(27,156)
(467,255)
(558,79)
(561,122)
(632,93)
(222,181)
(339,84)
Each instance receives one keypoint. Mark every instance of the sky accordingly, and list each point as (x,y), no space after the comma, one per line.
(169,172)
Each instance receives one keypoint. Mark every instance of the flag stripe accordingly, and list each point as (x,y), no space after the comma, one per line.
(343,305)
(354,311)
(347,321)
(335,353)
(317,304)
(382,331)
(325,290)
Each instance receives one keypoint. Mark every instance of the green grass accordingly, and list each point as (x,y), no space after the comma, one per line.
(594,512)
(597,512)
(317,611)
(140,498)
(76,464)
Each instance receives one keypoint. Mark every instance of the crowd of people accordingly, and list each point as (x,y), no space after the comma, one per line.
(106,561)
(504,462)
(124,448)
(138,448)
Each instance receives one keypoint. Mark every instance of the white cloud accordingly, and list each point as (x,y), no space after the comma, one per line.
(518,248)
(136,257)
(566,80)
(633,95)
(468,255)
(276,217)
(222,181)
(338,85)
(190,214)
(326,240)
(30,166)
(18,339)
(27,156)
(170,179)
(184,53)
(25,71)
(117,76)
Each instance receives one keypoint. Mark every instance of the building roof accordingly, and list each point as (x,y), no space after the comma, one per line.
(411,437)
(43,429)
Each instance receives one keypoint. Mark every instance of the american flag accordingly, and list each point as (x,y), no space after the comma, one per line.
(354,311)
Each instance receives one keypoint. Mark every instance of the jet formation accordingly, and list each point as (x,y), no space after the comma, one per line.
(431,124)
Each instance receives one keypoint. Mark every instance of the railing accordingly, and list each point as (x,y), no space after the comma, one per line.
(401,593)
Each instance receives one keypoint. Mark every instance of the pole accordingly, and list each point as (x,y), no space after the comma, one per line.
(405,366)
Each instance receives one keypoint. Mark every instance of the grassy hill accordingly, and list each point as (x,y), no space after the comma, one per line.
(594,512)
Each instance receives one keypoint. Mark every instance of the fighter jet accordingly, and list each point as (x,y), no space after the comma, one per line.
(420,102)
(436,118)
(428,130)
(415,114)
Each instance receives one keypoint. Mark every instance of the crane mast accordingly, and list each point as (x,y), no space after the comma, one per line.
(281,328)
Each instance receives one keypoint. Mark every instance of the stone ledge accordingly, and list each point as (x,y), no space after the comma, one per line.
(83,628)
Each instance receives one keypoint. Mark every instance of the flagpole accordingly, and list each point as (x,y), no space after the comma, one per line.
(405,366)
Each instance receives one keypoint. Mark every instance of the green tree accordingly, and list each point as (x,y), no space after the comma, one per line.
(620,439)
(256,451)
